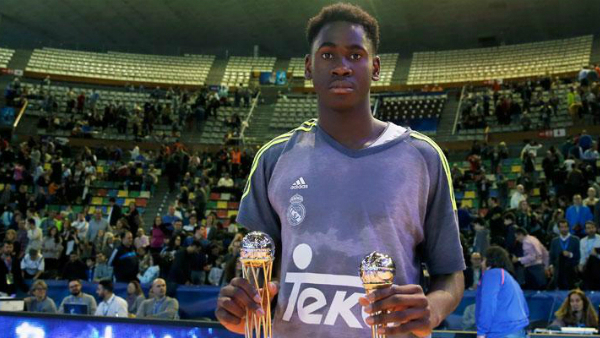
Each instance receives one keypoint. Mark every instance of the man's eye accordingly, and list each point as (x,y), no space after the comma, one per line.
(355,56)
(327,56)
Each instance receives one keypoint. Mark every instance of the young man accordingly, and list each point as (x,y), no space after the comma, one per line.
(111,305)
(78,297)
(336,189)
(564,257)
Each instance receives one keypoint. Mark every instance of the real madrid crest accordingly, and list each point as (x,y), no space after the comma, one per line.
(296,211)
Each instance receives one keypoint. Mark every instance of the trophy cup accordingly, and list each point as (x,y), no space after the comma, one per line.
(257,255)
(377,271)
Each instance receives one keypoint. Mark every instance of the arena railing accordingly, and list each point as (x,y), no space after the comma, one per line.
(456,116)
(246,122)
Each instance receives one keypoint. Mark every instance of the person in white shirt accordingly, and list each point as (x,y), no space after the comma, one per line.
(589,262)
(517,197)
(34,234)
(225,181)
(111,305)
(81,225)
(32,265)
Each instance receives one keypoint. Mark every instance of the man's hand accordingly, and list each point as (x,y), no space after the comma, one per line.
(405,307)
(235,299)
(515,259)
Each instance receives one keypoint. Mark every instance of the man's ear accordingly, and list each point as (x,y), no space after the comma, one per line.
(376,68)
(307,67)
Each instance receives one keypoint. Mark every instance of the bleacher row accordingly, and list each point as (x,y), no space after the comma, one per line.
(214,128)
(221,204)
(106,97)
(240,68)
(511,61)
(5,56)
(406,108)
(562,118)
(184,70)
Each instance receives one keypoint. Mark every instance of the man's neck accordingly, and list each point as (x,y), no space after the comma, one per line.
(158,299)
(108,297)
(354,129)
(564,237)
(77,295)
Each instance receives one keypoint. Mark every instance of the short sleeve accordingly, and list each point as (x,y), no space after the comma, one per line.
(442,248)
(256,212)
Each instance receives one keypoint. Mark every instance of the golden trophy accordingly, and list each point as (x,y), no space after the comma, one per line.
(377,272)
(257,255)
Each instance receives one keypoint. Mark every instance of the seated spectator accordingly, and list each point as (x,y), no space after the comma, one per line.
(75,268)
(190,228)
(172,215)
(141,240)
(576,311)
(564,257)
(81,225)
(225,183)
(111,305)
(589,263)
(577,215)
(78,297)
(40,302)
(102,269)
(535,259)
(518,196)
(160,306)
(149,271)
(11,279)
(135,297)
(32,265)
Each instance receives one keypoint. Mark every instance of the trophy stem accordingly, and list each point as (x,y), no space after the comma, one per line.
(374,328)
(256,326)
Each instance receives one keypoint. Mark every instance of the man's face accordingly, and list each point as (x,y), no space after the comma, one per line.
(590,229)
(73,257)
(171,210)
(476,260)
(100,291)
(160,288)
(178,225)
(75,288)
(577,200)
(7,249)
(342,65)
(520,237)
(563,228)
(127,239)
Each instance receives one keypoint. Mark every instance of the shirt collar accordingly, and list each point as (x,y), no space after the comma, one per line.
(564,238)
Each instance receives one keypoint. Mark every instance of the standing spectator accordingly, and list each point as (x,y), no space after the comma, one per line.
(577,216)
(135,296)
(158,235)
(141,240)
(518,196)
(149,271)
(78,297)
(494,219)
(180,271)
(576,311)
(564,257)
(501,309)
(81,225)
(34,235)
(159,306)
(40,302)
(115,212)
(124,260)
(133,217)
(80,102)
(591,199)
(32,265)
(589,263)
(111,305)
(96,224)
(11,279)
(52,249)
(474,272)
(535,259)
(482,236)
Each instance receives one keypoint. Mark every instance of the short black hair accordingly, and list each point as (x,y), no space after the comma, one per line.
(521,231)
(74,280)
(510,216)
(344,12)
(591,222)
(107,284)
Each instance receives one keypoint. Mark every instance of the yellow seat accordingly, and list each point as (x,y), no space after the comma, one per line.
(222,205)
(100,169)
(536,191)
(467,203)
(97,201)
(469,194)
(516,169)
(122,193)
(92,210)
(232,213)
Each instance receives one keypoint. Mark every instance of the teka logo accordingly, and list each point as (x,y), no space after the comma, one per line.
(339,306)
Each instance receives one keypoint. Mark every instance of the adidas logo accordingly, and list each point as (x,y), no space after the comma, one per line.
(299,184)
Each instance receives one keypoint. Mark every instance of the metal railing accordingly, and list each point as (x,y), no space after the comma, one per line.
(462,94)
(246,122)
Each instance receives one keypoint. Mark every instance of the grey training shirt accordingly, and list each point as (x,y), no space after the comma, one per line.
(329,206)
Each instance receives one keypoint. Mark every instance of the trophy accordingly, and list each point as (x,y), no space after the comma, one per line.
(257,255)
(377,271)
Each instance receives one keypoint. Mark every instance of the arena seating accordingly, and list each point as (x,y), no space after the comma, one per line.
(222,205)
(503,62)
(5,56)
(129,99)
(125,67)
(420,112)
(388,66)
(215,128)
(240,68)
(562,120)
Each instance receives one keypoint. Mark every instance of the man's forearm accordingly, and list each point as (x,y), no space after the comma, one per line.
(444,295)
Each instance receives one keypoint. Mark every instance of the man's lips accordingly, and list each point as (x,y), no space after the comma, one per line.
(341,87)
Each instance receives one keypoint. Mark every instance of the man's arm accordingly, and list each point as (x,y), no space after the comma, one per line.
(444,296)
(170,312)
